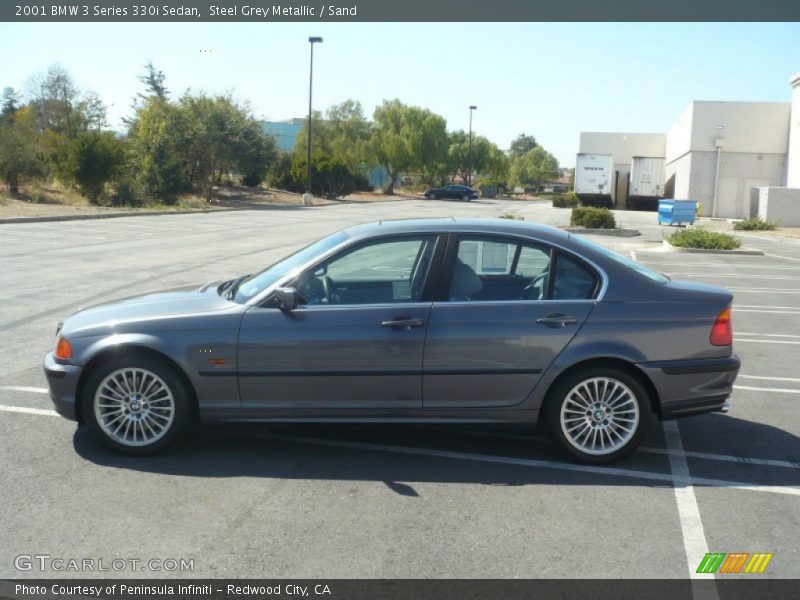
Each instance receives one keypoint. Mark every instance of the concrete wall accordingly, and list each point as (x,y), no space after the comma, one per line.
(793,167)
(623,146)
(754,127)
(780,204)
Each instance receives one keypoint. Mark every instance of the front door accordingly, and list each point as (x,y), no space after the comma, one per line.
(356,341)
(512,308)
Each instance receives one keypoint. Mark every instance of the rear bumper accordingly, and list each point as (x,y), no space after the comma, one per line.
(63,383)
(692,387)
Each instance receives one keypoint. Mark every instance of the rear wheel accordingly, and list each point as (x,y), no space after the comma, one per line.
(135,406)
(599,415)
(466,198)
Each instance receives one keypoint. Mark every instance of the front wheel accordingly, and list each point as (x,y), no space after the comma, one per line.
(599,415)
(135,406)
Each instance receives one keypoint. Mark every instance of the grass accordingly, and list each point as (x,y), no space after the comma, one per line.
(706,240)
(755,224)
(513,216)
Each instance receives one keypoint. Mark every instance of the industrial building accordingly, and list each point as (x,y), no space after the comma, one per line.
(734,158)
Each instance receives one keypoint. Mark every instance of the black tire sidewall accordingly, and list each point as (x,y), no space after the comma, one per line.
(557,397)
(165,372)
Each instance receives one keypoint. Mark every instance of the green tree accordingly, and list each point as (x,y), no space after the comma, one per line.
(522,145)
(155,159)
(153,81)
(11,104)
(407,138)
(19,156)
(93,159)
(533,168)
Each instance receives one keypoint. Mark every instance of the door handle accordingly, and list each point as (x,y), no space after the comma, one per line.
(558,320)
(406,323)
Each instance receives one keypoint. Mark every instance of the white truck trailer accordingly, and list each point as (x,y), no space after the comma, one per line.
(647,183)
(594,179)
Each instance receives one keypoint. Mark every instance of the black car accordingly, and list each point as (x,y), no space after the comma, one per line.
(457,192)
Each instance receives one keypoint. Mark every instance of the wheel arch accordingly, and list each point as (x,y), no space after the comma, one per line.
(130,350)
(604,361)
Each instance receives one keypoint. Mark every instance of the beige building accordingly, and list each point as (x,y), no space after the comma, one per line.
(728,156)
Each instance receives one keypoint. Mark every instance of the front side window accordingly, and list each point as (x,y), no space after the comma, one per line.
(380,272)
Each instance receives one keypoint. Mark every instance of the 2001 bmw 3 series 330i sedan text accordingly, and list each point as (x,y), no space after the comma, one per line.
(439,320)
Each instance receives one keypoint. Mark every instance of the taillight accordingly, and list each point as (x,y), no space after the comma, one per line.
(63,348)
(722,331)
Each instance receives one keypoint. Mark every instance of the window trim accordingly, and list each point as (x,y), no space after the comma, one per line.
(353,247)
(452,252)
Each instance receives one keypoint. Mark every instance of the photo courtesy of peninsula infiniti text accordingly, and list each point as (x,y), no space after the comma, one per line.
(431,320)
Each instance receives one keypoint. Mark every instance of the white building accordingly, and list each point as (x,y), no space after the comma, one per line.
(735,158)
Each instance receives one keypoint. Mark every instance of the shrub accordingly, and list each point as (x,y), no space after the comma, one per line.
(569,200)
(592,217)
(707,240)
(128,192)
(755,224)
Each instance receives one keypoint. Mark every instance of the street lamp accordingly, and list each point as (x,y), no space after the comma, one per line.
(307,196)
(469,151)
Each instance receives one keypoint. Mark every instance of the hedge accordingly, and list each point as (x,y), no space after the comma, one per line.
(707,240)
(592,217)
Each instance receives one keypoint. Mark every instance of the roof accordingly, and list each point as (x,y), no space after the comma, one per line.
(478,225)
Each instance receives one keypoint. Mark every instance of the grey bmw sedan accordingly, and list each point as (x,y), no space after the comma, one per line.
(436,320)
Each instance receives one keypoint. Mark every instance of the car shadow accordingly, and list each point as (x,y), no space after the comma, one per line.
(397,455)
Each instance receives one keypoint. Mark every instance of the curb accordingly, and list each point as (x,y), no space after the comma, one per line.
(611,232)
(667,247)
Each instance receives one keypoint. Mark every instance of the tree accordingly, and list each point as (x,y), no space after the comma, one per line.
(10,105)
(533,168)
(255,152)
(153,81)
(55,96)
(93,158)
(522,145)
(343,135)
(407,138)
(19,157)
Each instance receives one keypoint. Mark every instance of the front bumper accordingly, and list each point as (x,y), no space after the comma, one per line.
(692,387)
(63,383)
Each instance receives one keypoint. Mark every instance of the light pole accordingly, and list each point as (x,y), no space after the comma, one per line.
(307,196)
(469,151)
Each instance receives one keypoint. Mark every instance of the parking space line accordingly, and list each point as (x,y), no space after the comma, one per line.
(760,389)
(527,462)
(745,460)
(756,341)
(769,378)
(736,275)
(737,305)
(781,257)
(30,411)
(783,335)
(766,312)
(22,388)
(694,537)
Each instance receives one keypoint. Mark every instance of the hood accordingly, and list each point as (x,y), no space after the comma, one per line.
(162,305)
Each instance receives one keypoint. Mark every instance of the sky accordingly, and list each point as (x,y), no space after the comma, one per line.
(549,80)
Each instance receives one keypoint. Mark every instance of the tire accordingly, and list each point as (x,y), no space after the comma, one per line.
(617,422)
(141,398)
(466,198)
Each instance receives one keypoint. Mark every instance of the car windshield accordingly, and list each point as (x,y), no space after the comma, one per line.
(257,283)
(617,257)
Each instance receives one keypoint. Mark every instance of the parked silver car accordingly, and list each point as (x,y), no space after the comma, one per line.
(440,320)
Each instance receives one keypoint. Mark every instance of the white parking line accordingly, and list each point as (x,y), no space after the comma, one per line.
(769,378)
(760,389)
(30,411)
(760,290)
(22,388)
(782,335)
(743,460)
(741,339)
(766,312)
(781,257)
(737,305)
(694,536)
(736,275)
(528,462)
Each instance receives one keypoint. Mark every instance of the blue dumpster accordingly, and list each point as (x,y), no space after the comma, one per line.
(676,212)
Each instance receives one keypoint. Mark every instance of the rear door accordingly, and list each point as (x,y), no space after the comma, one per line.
(510,308)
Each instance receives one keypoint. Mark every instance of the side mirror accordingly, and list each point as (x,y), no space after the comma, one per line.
(287,298)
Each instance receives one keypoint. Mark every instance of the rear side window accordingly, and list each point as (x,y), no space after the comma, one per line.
(573,280)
